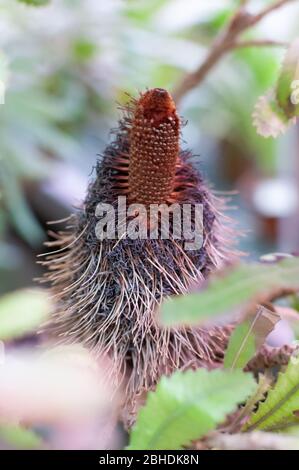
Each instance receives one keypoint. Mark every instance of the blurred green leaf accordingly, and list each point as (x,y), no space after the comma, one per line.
(235,100)
(164,75)
(142,11)
(282,401)
(186,406)
(292,430)
(22,312)
(19,437)
(236,289)
(36,3)
(287,89)
(20,213)
(84,49)
(217,21)
(241,347)
(262,64)
(220,19)
(295,302)
(248,337)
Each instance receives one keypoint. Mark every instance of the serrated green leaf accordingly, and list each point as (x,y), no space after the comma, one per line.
(187,405)
(233,291)
(282,401)
(19,437)
(248,337)
(263,386)
(22,312)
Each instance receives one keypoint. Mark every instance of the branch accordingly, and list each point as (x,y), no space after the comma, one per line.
(227,41)
(259,43)
(275,6)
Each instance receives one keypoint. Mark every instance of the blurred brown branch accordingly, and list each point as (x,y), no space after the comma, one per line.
(226,41)
(259,43)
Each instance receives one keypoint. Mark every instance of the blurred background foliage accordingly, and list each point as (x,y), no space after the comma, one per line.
(69,64)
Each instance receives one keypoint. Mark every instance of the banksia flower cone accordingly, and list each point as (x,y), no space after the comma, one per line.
(108,290)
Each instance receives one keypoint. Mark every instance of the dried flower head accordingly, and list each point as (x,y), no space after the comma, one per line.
(108,290)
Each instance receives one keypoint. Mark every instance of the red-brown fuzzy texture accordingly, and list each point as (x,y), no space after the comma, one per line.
(154,148)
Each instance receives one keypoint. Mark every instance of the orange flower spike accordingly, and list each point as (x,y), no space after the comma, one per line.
(154,148)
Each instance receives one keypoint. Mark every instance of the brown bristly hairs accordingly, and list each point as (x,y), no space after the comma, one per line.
(107,292)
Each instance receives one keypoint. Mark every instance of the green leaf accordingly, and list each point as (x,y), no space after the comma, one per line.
(287,89)
(263,386)
(22,312)
(19,437)
(295,302)
(248,337)
(282,401)
(15,203)
(241,347)
(235,290)
(187,405)
(84,49)
(36,3)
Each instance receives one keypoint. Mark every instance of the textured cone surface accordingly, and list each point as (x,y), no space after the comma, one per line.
(154,148)
(108,291)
